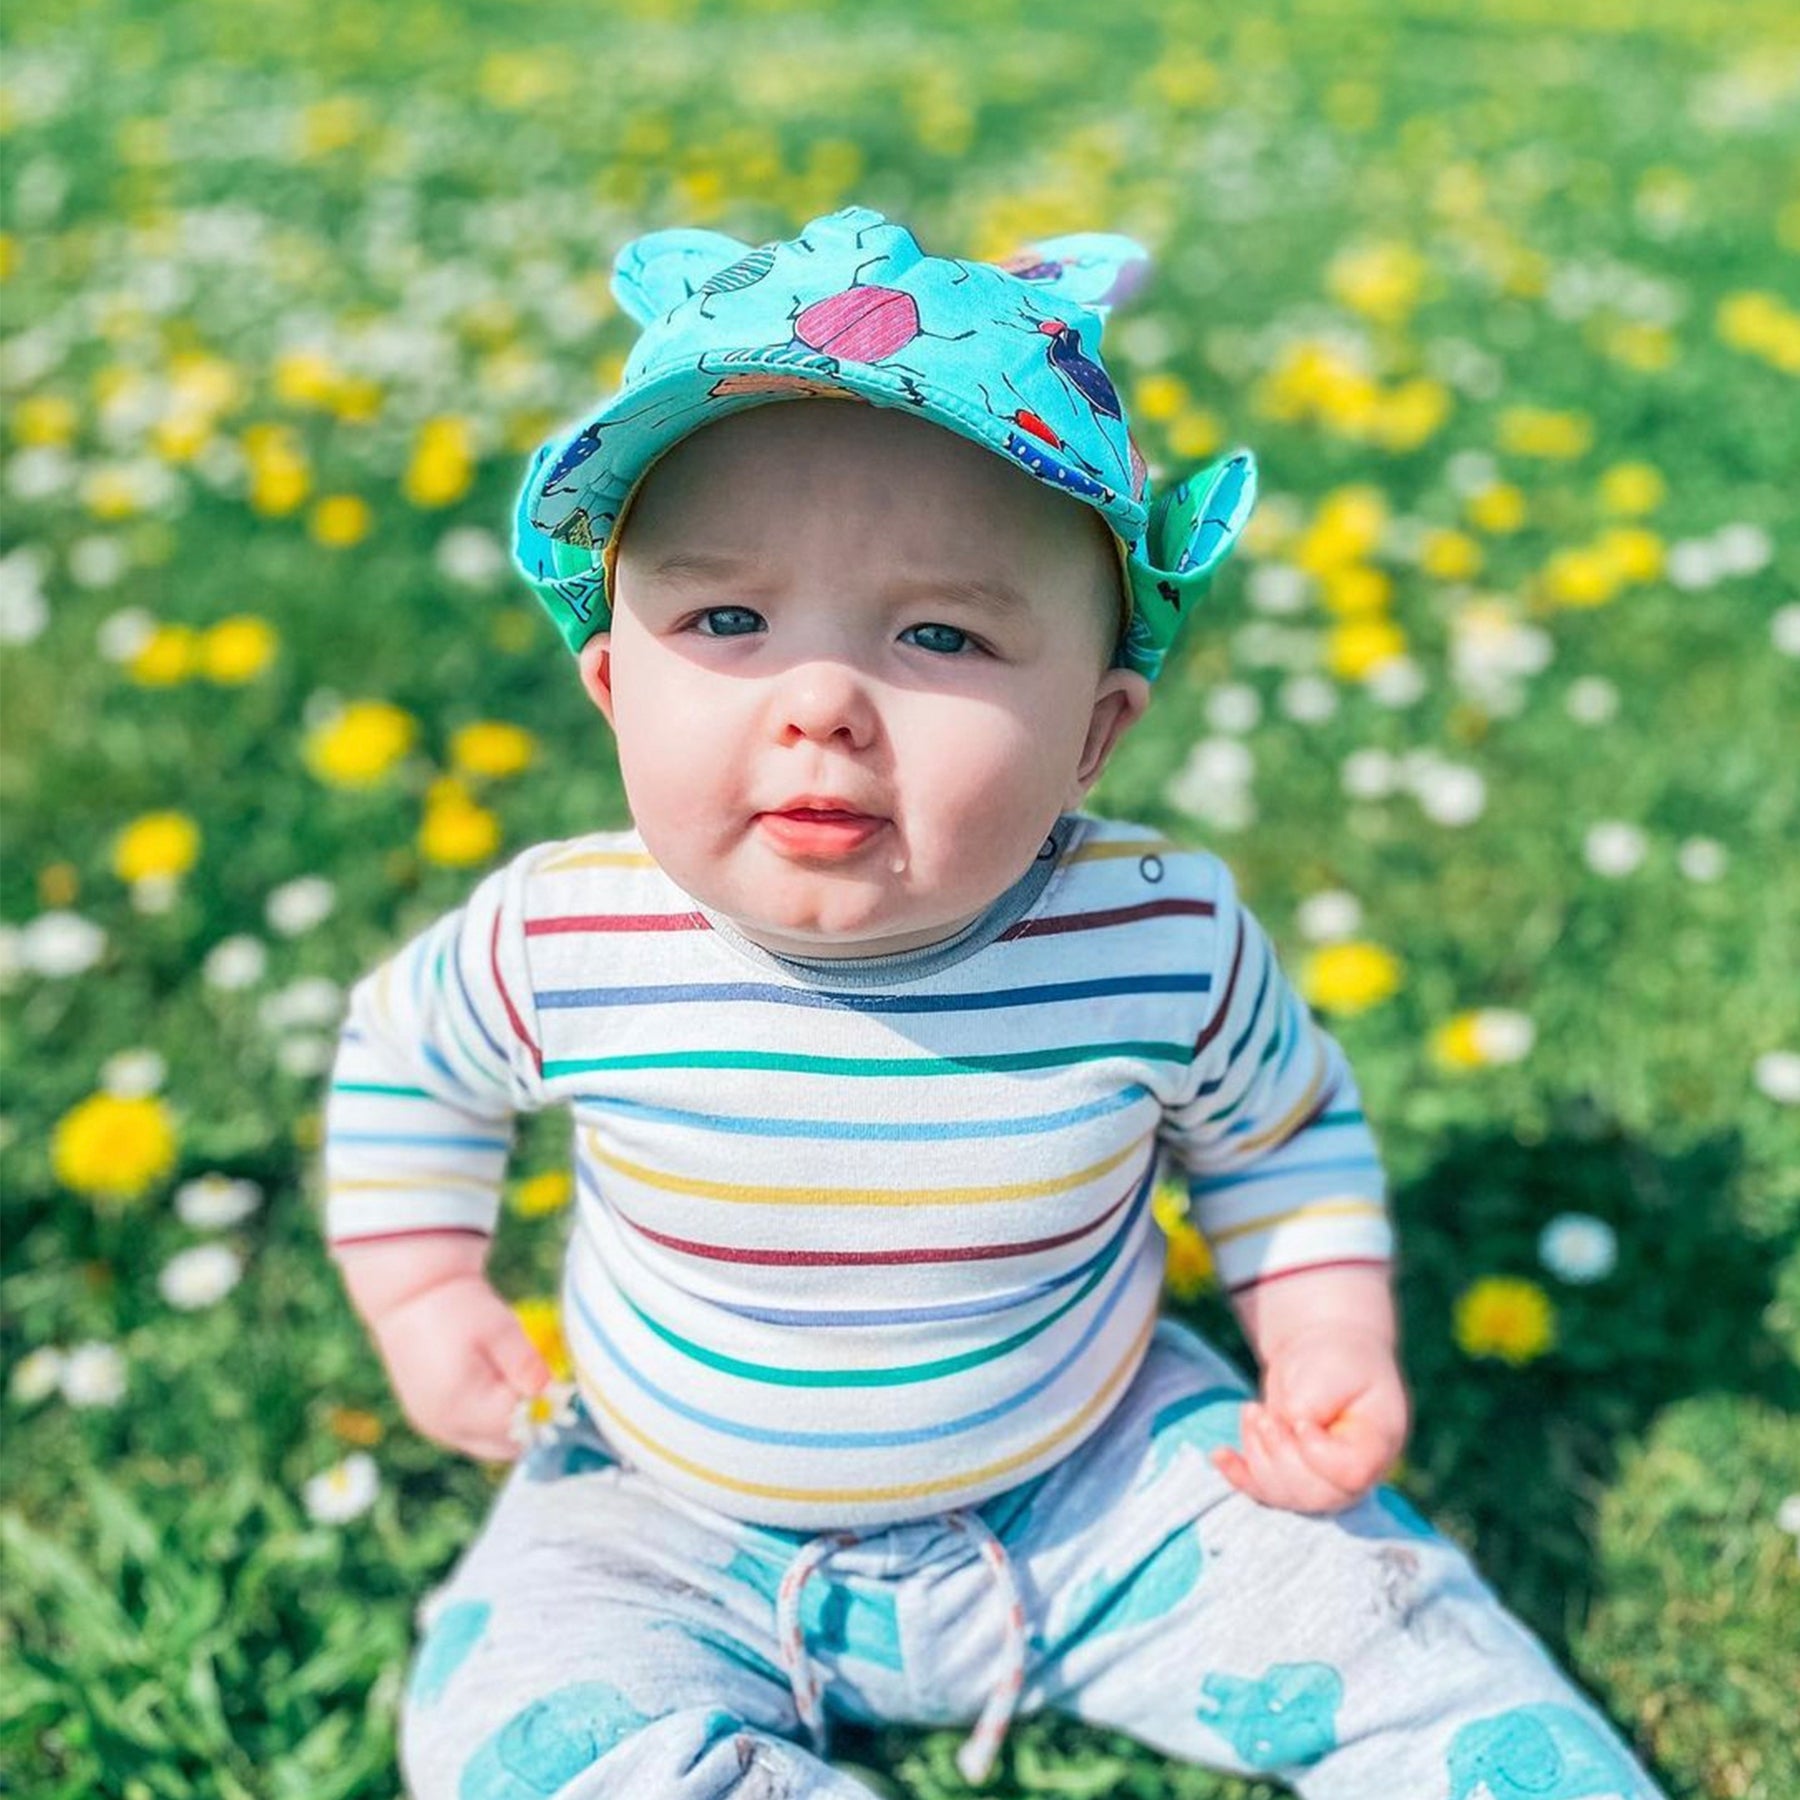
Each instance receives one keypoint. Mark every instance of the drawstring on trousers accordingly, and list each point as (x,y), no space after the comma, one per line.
(976,1757)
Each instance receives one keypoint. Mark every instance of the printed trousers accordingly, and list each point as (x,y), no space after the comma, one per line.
(603,1636)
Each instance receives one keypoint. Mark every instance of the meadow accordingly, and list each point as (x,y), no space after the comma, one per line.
(1486,717)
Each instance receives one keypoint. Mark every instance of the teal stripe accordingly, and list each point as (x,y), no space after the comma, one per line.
(904,1377)
(872,1065)
(381,1087)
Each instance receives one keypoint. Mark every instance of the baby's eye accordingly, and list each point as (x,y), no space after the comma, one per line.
(940,633)
(734,617)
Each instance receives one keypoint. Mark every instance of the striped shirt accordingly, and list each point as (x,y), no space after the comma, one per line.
(861,1240)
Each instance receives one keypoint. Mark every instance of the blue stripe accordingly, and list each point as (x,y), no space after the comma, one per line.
(714,991)
(754,1125)
(420,1137)
(861,1440)
(468,1001)
(1213,1184)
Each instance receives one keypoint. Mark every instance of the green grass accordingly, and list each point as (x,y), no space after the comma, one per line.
(175,1623)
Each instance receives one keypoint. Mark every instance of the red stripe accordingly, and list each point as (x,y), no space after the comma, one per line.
(518,1024)
(832,1259)
(1342,1262)
(1217,1022)
(567,922)
(1116,915)
(383,1237)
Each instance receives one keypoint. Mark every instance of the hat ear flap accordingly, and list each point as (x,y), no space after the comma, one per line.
(1095,269)
(654,273)
(1197,523)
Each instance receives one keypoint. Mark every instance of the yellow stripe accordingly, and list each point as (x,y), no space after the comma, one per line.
(597,859)
(374,1185)
(1283,1127)
(1102,851)
(912,1490)
(743,1195)
(1319,1210)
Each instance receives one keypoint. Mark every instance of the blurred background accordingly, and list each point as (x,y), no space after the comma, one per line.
(1487,718)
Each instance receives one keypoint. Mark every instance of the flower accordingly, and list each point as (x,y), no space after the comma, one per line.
(304,1054)
(311,1000)
(443,463)
(1451,794)
(1355,648)
(1370,773)
(298,905)
(1578,1248)
(1497,510)
(1592,700)
(542,1324)
(156,844)
(1308,699)
(1329,916)
(93,1374)
(547,1192)
(457,832)
(199,1276)
(1506,1317)
(134,1072)
(1701,859)
(1483,1039)
(235,962)
(1613,847)
(1632,489)
(113,1148)
(1233,707)
(1777,1075)
(122,636)
(340,520)
(36,1375)
(354,1425)
(1784,629)
(492,748)
(57,944)
(359,744)
(344,1491)
(1538,431)
(212,1201)
(237,649)
(1350,977)
(537,1418)
(471,555)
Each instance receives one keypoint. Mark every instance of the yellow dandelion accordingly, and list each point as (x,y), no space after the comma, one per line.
(1632,489)
(1350,977)
(1410,413)
(238,649)
(354,1426)
(1450,555)
(1637,344)
(45,420)
(180,436)
(1346,528)
(493,748)
(443,463)
(1506,1317)
(357,400)
(456,833)
(1384,282)
(1169,1203)
(1634,553)
(1757,322)
(111,492)
(167,656)
(1539,431)
(340,520)
(305,377)
(542,1323)
(1498,510)
(1356,648)
(156,845)
(547,1192)
(1195,432)
(9,255)
(58,883)
(280,477)
(1188,1266)
(1160,397)
(113,1148)
(1579,576)
(1356,590)
(360,744)
(1456,1044)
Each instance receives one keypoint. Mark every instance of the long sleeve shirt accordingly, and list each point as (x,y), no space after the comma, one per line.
(864,1239)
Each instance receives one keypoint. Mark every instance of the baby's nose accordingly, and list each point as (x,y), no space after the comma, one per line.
(825,700)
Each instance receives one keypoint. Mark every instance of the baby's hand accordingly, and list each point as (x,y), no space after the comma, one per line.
(460,1363)
(1331,1423)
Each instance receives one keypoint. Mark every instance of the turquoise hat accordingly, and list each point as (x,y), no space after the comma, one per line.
(1004,354)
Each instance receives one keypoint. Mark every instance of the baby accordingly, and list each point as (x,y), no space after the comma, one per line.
(875,1044)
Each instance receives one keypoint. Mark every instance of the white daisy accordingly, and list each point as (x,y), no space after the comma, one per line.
(300,904)
(1778,1076)
(1370,774)
(1742,548)
(133,1073)
(305,1054)
(36,1375)
(1452,794)
(1329,916)
(1593,700)
(1503,1035)
(1693,563)
(539,1417)
(1308,699)
(97,561)
(1233,707)
(1578,1248)
(154,893)
(40,472)
(24,612)
(235,962)
(344,1491)
(93,1374)
(124,633)
(312,1000)
(212,1202)
(1397,682)
(1277,587)
(1784,629)
(1701,859)
(199,1276)
(1471,472)
(468,554)
(58,944)
(1614,847)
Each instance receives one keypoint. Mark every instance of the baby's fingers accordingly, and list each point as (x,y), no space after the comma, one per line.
(1350,1459)
(1272,1470)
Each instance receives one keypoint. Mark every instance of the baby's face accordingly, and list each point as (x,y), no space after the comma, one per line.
(803,618)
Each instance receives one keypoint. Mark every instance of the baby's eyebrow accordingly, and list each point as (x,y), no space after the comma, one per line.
(988,592)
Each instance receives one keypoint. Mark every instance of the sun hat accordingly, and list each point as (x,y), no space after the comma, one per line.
(1005,354)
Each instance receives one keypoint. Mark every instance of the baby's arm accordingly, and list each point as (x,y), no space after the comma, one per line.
(436,1056)
(1289,1191)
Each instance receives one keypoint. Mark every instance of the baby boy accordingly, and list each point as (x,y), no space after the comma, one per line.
(874,1044)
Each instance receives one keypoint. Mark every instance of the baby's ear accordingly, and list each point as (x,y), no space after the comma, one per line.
(1095,269)
(594,661)
(654,273)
